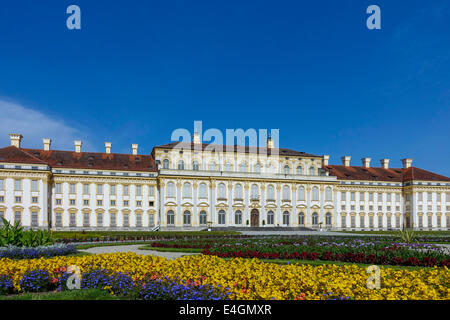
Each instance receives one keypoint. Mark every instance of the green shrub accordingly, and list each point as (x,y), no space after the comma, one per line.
(15,235)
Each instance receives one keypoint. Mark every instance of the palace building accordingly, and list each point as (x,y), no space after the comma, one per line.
(191,186)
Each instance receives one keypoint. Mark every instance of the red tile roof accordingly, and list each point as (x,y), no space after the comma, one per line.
(236,148)
(13,154)
(83,160)
(381,174)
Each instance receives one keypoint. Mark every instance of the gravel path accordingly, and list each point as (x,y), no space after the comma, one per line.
(134,248)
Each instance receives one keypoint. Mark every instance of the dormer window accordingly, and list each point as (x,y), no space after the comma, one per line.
(125,166)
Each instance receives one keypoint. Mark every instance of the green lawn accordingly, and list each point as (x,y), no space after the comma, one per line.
(89,294)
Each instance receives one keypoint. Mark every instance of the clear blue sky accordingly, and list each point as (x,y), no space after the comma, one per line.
(137,70)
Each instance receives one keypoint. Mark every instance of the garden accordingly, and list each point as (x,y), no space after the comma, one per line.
(228,266)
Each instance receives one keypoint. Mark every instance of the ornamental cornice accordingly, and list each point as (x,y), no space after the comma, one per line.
(24,174)
(80,179)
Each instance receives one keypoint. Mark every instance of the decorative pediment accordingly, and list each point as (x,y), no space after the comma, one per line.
(222,205)
(301,206)
(139,211)
(328,206)
(99,210)
(170,204)
(112,211)
(126,211)
(255,205)
(86,210)
(286,206)
(315,207)
(238,205)
(187,204)
(151,211)
(203,204)
(270,206)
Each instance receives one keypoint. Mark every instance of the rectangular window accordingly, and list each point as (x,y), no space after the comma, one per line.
(397,222)
(34,185)
(18,185)
(380,197)
(2,184)
(138,203)
(72,202)
(429,196)
(86,221)
(125,203)
(138,191)
(125,190)
(126,220)
(18,217)
(371,222)
(343,196)
(85,202)
(58,202)
(99,202)
(343,221)
(112,189)
(72,188)
(361,208)
(151,191)
(18,199)
(113,203)
(34,199)
(370,208)
(99,189)
(420,196)
(371,196)
(85,189)
(72,220)
(99,219)
(447,197)
(2,199)
(352,196)
(139,220)
(151,220)
(34,219)
(438,197)
(58,188)
(150,203)
(389,197)
(58,218)
(361,221)
(362,196)
(112,220)
(352,221)
(389,222)
(397,197)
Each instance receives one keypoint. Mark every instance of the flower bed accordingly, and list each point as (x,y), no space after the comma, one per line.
(356,250)
(212,277)
(14,252)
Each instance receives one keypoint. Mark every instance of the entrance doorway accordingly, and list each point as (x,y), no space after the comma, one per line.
(254,218)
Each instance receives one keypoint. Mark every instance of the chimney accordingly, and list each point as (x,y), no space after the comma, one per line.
(325,160)
(407,163)
(385,163)
(196,138)
(366,162)
(134,147)
(47,143)
(78,144)
(270,142)
(346,160)
(16,139)
(108,147)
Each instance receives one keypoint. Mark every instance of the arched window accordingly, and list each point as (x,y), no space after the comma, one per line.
(270,217)
(312,171)
(222,191)
(170,189)
(315,219)
(238,217)
(286,218)
(257,168)
(328,196)
(187,218)
(202,193)
(202,218)
(243,167)
(301,219)
(221,217)
(286,169)
(328,219)
(270,169)
(270,192)
(195,166)
(299,170)
(181,165)
(165,164)
(170,218)
(238,191)
(254,191)
(228,166)
(315,194)
(212,166)
(186,190)
(286,193)
(301,193)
